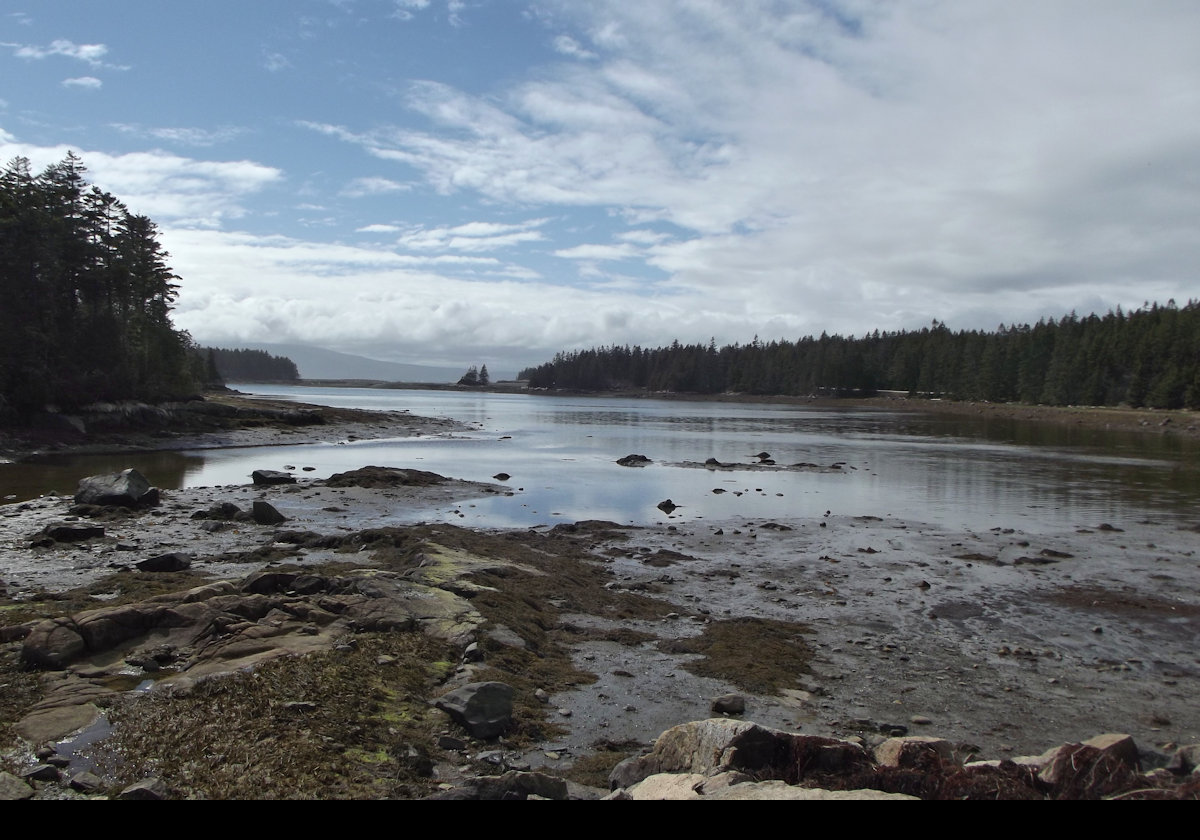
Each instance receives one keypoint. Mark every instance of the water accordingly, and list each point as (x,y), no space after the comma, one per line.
(561,453)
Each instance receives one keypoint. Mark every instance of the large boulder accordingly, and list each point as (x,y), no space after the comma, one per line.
(483,709)
(128,488)
(714,746)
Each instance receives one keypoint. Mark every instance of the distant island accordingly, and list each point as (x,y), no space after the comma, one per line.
(247,365)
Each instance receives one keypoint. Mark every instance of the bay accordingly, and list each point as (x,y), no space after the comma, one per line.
(561,451)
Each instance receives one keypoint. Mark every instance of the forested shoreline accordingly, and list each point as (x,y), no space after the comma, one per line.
(246,365)
(87,294)
(1146,358)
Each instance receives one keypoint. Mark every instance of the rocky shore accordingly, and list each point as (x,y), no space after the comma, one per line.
(287,640)
(220,420)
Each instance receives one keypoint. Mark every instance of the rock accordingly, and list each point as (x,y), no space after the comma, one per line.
(266,477)
(449,742)
(666,506)
(693,786)
(483,709)
(729,704)
(128,488)
(1185,760)
(912,751)
(1091,769)
(667,786)
(521,785)
(221,511)
(86,782)
(719,744)
(380,477)
(502,476)
(68,532)
(41,773)
(264,513)
(776,790)
(175,561)
(634,461)
(1118,746)
(12,788)
(146,789)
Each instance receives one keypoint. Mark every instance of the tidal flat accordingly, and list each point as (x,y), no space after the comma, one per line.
(1001,640)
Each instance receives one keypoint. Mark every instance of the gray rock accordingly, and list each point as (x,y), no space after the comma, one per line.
(146,789)
(86,782)
(634,461)
(12,788)
(714,746)
(262,477)
(1185,760)
(519,785)
(41,773)
(128,488)
(175,561)
(483,709)
(729,704)
(264,513)
(73,533)
(449,742)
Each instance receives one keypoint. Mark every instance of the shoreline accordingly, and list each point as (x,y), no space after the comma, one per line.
(251,422)
(1004,642)
(1183,422)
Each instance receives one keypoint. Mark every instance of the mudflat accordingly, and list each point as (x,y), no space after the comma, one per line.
(1002,642)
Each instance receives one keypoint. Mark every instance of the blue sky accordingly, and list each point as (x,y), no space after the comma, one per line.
(490,181)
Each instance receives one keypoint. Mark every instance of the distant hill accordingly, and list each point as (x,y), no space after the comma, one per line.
(319,363)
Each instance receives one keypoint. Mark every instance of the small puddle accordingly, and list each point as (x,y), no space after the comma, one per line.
(77,748)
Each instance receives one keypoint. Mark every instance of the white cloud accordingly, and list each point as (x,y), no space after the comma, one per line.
(240,287)
(598,252)
(360,187)
(84,82)
(166,187)
(200,137)
(852,165)
(90,53)
(643,237)
(473,236)
(275,62)
(379,229)
(567,45)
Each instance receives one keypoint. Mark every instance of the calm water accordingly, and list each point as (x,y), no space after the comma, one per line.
(560,453)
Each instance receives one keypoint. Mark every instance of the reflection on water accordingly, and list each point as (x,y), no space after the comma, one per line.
(561,451)
(61,473)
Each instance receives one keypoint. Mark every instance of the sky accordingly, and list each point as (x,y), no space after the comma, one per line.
(492,181)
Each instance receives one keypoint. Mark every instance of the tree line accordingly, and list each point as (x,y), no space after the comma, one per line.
(251,365)
(1148,357)
(85,297)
